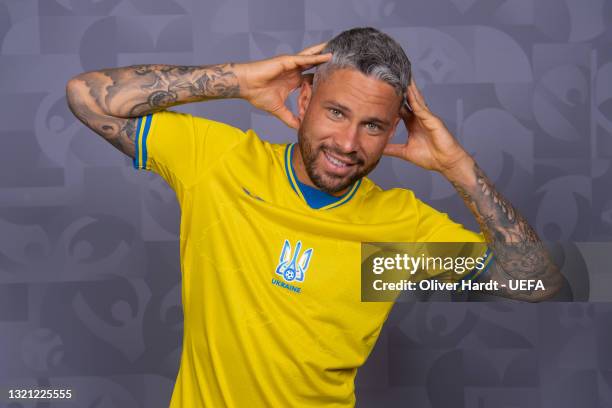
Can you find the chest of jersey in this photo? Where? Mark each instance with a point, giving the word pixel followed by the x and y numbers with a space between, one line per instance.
pixel 276 269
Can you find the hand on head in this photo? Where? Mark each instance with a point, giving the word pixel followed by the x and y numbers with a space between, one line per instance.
pixel 266 84
pixel 430 144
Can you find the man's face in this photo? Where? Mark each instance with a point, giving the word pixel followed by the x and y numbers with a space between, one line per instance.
pixel 345 124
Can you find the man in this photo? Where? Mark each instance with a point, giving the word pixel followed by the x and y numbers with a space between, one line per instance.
pixel 270 234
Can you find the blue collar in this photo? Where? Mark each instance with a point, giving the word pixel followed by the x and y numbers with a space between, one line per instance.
pixel 314 197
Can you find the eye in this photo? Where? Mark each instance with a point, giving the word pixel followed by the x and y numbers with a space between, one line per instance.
pixel 372 126
pixel 335 112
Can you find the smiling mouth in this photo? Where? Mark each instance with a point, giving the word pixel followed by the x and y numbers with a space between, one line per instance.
pixel 336 161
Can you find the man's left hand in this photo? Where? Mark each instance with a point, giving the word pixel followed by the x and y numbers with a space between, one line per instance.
pixel 430 145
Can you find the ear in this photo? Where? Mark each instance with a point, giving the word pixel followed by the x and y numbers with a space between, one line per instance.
pixel 397 120
pixel 304 98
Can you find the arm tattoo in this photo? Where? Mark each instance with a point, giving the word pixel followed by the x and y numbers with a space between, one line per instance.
pixel 141 89
pixel 518 251
pixel 119 132
pixel 110 101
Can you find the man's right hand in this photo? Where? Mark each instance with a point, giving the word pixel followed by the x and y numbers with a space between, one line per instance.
pixel 109 101
pixel 266 84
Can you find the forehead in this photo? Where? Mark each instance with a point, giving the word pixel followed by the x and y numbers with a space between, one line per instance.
pixel 359 92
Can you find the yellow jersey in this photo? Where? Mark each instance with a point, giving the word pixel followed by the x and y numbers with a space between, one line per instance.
pixel 271 281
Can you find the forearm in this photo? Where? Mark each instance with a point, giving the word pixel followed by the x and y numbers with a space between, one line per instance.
pixel 518 251
pixel 137 90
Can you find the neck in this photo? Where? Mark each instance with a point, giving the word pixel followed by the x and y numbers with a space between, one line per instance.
pixel 302 174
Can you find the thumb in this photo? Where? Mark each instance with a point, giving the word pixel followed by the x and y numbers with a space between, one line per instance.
pixel 394 149
pixel 286 116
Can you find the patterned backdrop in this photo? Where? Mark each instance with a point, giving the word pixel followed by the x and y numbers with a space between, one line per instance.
pixel 89 268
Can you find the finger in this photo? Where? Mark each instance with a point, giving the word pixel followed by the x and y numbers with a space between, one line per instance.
pixel 394 149
pixel 287 117
pixel 418 108
pixel 315 49
pixel 310 61
pixel 406 111
pixel 417 92
pixel 412 82
pixel 306 67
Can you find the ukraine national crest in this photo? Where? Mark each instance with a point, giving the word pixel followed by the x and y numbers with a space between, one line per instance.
pixel 289 267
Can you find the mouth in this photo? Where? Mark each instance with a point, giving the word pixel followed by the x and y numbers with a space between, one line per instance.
pixel 337 161
pixel 337 165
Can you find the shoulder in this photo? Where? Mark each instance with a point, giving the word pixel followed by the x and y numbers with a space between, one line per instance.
pixel 399 204
pixel 199 124
pixel 392 201
pixel 222 127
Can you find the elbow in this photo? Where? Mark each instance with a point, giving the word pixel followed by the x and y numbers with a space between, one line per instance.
pixel 73 82
pixel 72 92
pixel 77 95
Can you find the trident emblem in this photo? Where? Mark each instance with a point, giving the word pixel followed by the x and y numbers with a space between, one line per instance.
pixel 289 266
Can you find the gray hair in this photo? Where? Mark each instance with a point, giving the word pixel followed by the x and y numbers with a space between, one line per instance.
pixel 370 51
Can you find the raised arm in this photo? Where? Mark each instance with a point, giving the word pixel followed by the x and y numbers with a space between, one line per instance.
pixel 518 252
pixel 109 101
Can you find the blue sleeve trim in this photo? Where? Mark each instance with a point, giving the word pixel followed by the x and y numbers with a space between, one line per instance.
pixel 140 160
pixel 145 134
pixel 136 161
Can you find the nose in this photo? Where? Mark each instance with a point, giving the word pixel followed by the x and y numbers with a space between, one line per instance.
pixel 347 140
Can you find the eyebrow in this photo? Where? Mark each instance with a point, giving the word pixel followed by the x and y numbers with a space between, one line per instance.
pixel 372 119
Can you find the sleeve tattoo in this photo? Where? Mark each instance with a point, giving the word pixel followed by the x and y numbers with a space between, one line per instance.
pixel 110 101
pixel 518 251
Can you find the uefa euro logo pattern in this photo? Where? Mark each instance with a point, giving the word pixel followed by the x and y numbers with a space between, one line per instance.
pixel 289 266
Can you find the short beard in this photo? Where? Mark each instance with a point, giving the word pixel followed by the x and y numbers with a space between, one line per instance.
pixel 309 157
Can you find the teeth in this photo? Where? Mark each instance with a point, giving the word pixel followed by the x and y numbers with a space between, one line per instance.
pixel 335 161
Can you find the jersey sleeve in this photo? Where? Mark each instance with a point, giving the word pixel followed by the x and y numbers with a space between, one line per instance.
pixel 436 226
pixel 181 147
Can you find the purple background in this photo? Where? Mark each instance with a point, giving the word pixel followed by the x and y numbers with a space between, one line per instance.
pixel 89 278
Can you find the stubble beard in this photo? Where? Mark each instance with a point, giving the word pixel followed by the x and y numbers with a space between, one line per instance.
pixel 326 182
